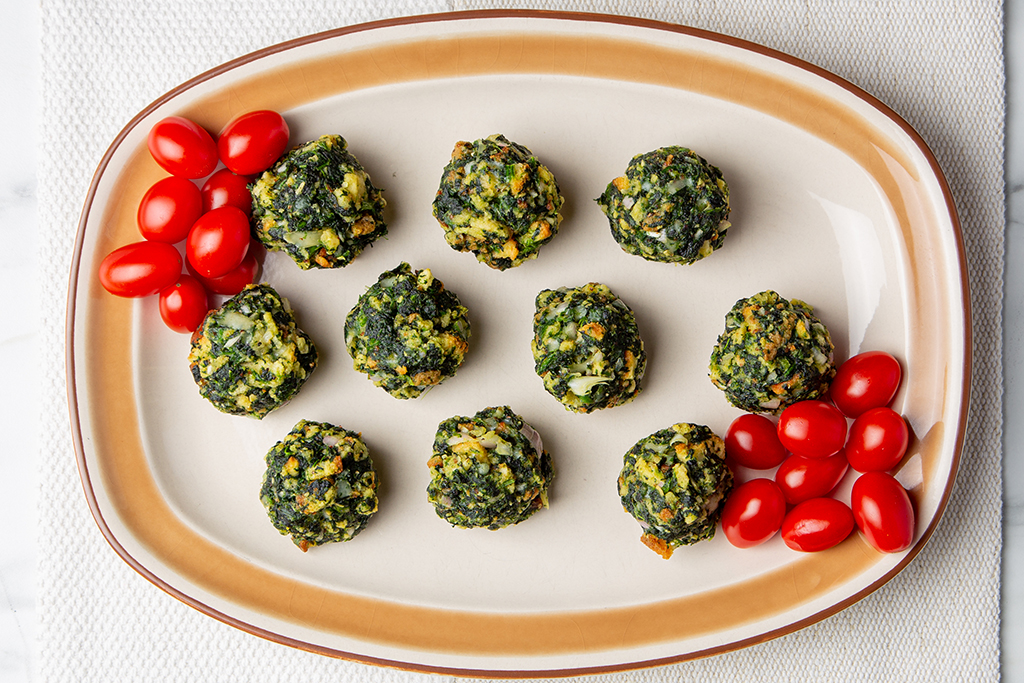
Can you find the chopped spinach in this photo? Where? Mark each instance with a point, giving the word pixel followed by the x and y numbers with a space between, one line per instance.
pixel 587 347
pixel 489 470
pixel 249 357
pixel 674 483
pixel 671 205
pixel 772 354
pixel 320 485
pixel 496 200
pixel 317 204
pixel 407 333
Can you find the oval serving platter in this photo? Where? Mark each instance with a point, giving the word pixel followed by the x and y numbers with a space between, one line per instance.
pixel 836 201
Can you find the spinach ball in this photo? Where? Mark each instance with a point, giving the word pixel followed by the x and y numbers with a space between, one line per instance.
pixel 772 354
pixel 489 470
pixel 407 333
pixel 587 347
pixel 317 204
pixel 319 486
pixel 674 483
pixel 249 357
pixel 497 201
pixel 671 205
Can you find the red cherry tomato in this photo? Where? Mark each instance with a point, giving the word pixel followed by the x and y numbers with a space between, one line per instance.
pixel 183 148
pixel 753 441
pixel 814 429
pixel 817 524
pixel 234 281
pixel 184 304
pixel 868 380
pixel 140 269
pixel 753 512
pixel 250 143
pixel 878 440
pixel 218 242
pixel 883 511
pixel 802 478
pixel 225 188
pixel 168 210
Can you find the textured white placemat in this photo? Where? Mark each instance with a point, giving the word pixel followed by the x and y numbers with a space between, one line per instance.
pixel 938 64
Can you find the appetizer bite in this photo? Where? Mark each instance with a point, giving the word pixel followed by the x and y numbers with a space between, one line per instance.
pixel 249 357
pixel 489 470
pixel 317 204
pixel 498 202
pixel 674 483
pixel 671 205
pixel 772 354
pixel 587 347
pixel 319 486
pixel 407 333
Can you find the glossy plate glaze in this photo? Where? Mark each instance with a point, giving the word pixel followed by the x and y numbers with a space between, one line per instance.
pixel 836 201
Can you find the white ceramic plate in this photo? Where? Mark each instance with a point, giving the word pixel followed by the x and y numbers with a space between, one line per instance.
pixel 836 201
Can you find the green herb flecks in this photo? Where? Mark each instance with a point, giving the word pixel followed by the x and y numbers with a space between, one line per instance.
pixel 496 200
pixel 249 357
pixel 319 486
pixel 772 354
pixel 674 483
pixel 489 470
pixel 317 204
pixel 671 205
pixel 587 347
pixel 407 333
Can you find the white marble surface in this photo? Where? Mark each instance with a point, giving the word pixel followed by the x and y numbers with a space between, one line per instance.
pixel 1013 361
pixel 20 336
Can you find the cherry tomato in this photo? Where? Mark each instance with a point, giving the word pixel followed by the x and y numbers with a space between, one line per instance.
pixel 182 147
pixel 184 304
pixel 817 524
pixel 218 242
pixel 753 512
pixel 814 429
pixel 140 269
pixel 800 478
pixel 878 440
pixel 883 511
pixel 168 210
pixel 234 281
pixel 250 143
pixel 868 380
pixel 225 188
pixel 753 441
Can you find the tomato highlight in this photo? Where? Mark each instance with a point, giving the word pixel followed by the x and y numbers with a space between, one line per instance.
pixel 878 440
pixel 883 512
pixel 814 429
pixel 225 188
pixel 250 143
pixel 168 210
pixel 817 524
pixel 140 269
pixel 801 478
pixel 218 241
pixel 184 304
pixel 867 380
pixel 182 147
pixel 753 513
pixel 753 441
